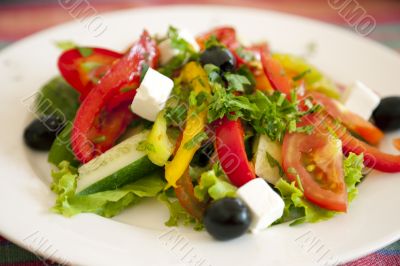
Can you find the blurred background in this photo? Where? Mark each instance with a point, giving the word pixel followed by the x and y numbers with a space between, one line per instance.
pixel 20 18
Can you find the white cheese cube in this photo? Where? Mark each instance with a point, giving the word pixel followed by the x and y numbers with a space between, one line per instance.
pixel 265 205
pixel 167 52
pixel 262 165
pixel 361 100
pixel 152 95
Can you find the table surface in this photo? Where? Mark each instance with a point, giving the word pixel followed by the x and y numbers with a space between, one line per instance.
pixel 19 18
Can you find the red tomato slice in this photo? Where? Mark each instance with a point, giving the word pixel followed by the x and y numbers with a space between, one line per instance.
pixel 276 74
pixel 123 73
pixel 317 161
pixel 81 72
pixel 352 121
pixel 232 153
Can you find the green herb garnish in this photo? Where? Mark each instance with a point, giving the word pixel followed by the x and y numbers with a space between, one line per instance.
pixel 196 140
pixel 85 51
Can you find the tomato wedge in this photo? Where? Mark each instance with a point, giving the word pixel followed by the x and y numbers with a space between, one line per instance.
pixel 352 121
pixel 93 112
pixel 81 71
pixel 231 151
pixel 316 161
pixel 276 74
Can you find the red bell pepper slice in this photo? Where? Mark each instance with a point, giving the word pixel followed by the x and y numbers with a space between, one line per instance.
pixel 352 121
pixel 225 35
pixel 231 151
pixel 92 114
pixel 373 157
pixel 81 71
pixel 276 74
pixel 184 191
pixel 185 195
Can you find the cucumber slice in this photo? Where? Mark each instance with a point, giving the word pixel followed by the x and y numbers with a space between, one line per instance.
pixel 263 167
pixel 119 166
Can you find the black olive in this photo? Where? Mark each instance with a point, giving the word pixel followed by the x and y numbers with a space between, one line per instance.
pixel 387 115
pixel 220 57
pixel 203 155
pixel 227 218
pixel 40 133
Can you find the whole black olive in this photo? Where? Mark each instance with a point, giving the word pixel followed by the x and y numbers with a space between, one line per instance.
pixel 40 133
pixel 220 57
pixel 387 115
pixel 227 218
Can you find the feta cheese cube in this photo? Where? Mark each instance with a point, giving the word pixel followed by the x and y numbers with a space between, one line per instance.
pixel 262 165
pixel 152 95
pixel 265 205
pixel 167 52
pixel 361 100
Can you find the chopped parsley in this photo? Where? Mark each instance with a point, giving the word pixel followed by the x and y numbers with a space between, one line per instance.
pixel 65 45
pixel 145 146
pixel 274 163
pixel 233 106
pixel 301 75
pixel 175 115
pixel 85 51
pixel 145 67
pixel 196 140
pixel 100 139
pixel 245 54
pixel 185 52
pixel 277 115
pixel 212 41
pixel 90 66
pixel 236 82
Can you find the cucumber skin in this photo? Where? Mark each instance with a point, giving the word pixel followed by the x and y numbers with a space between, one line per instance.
pixel 130 173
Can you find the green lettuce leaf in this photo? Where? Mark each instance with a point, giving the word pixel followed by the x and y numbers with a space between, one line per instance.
pixel 212 185
pixel 177 214
pixel 57 98
pixel 353 166
pixel 299 210
pixel 61 148
pixel 107 203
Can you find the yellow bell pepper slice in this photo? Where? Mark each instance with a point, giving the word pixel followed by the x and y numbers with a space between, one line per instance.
pixel 194 75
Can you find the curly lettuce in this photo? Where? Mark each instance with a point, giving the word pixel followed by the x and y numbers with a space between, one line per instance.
pixel 177 214
pixel 212 185
pixel 107 203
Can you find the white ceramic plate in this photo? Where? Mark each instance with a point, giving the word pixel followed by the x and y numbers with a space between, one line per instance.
pixel 138 236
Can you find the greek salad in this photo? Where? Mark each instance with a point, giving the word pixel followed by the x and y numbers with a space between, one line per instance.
pixel 230 137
